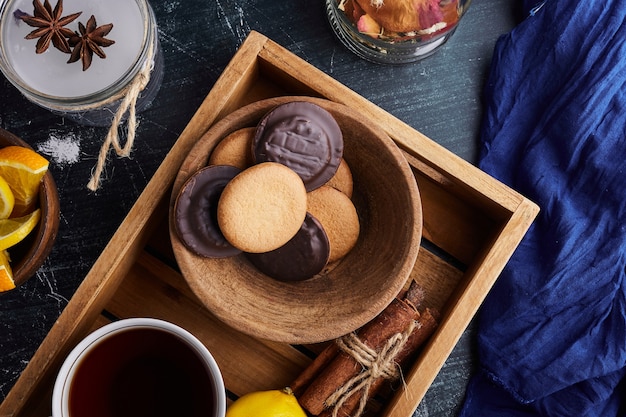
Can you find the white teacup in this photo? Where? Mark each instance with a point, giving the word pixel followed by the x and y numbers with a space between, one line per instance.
pixel 139 367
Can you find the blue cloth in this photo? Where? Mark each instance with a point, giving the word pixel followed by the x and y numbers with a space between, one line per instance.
pixel 552 332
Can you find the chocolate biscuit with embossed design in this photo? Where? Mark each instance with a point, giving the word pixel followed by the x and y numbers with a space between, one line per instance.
pixel 302 136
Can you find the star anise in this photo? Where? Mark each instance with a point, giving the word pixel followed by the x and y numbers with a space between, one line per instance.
pixel 50 26
pixel 90 40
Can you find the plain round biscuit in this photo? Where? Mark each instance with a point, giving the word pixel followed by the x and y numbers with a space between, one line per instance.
pixel 234 149
pixel 339 218
pixel 262 208
pixel 342 180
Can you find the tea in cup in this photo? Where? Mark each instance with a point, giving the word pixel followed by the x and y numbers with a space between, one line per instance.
pixel 139 367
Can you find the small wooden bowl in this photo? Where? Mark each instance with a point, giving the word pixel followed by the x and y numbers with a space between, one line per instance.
pixel 353 292
pixel 28 255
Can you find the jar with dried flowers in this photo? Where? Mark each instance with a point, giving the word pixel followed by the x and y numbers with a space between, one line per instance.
pixel 394 31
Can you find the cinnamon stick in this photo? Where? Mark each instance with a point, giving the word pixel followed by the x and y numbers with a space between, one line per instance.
pixel 426 325
pixel 314 369
pixel 393 320
pixel 415 295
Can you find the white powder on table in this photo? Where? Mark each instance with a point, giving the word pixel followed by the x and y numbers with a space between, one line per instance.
pixel 61 150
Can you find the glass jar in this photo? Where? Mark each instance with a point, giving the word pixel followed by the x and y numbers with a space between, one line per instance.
pixel 394 31
pixel 91 96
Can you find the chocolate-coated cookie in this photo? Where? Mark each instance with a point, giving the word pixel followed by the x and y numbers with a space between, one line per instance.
pixel 303 257
pixel 195 212
pixel 304 137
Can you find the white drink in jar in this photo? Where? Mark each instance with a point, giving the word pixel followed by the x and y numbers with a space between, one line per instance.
pixel 48 80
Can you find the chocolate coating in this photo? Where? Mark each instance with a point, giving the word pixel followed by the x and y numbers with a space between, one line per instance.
pixel 303 136
pixel 195 212
pixel 304 256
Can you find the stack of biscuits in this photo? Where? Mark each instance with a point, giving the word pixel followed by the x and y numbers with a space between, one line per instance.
pixel 280 193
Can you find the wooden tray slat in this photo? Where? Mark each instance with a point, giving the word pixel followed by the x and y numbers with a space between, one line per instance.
pixel 475 220
pixel 458 228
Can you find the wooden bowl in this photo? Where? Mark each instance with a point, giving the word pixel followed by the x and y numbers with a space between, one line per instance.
pixel 28 255
pixel 354 291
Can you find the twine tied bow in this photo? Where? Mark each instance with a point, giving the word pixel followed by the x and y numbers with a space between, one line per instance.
pixel 376 365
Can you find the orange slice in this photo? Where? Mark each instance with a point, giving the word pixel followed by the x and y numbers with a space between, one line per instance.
pixel 14 230
pixel 6 274
pixel 7 200
pixel 23 169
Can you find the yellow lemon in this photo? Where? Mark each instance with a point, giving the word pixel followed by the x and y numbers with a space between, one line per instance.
pixel 7 200
pixel 13 230
pixel 23 169
pixel 273 403
pixel 6 274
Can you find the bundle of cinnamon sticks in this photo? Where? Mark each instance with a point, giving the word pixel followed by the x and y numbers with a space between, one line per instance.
pixel 355 368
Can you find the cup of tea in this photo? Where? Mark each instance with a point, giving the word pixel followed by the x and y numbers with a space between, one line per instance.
pixel 139 367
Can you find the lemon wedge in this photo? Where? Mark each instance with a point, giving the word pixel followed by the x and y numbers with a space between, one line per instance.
pixel 7 200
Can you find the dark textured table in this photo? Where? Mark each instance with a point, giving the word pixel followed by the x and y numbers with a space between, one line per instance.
pixel 439 96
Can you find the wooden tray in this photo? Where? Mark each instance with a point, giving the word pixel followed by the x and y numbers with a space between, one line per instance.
pixel 472 225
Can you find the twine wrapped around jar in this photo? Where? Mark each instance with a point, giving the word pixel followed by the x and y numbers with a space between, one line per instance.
pixel 129 96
